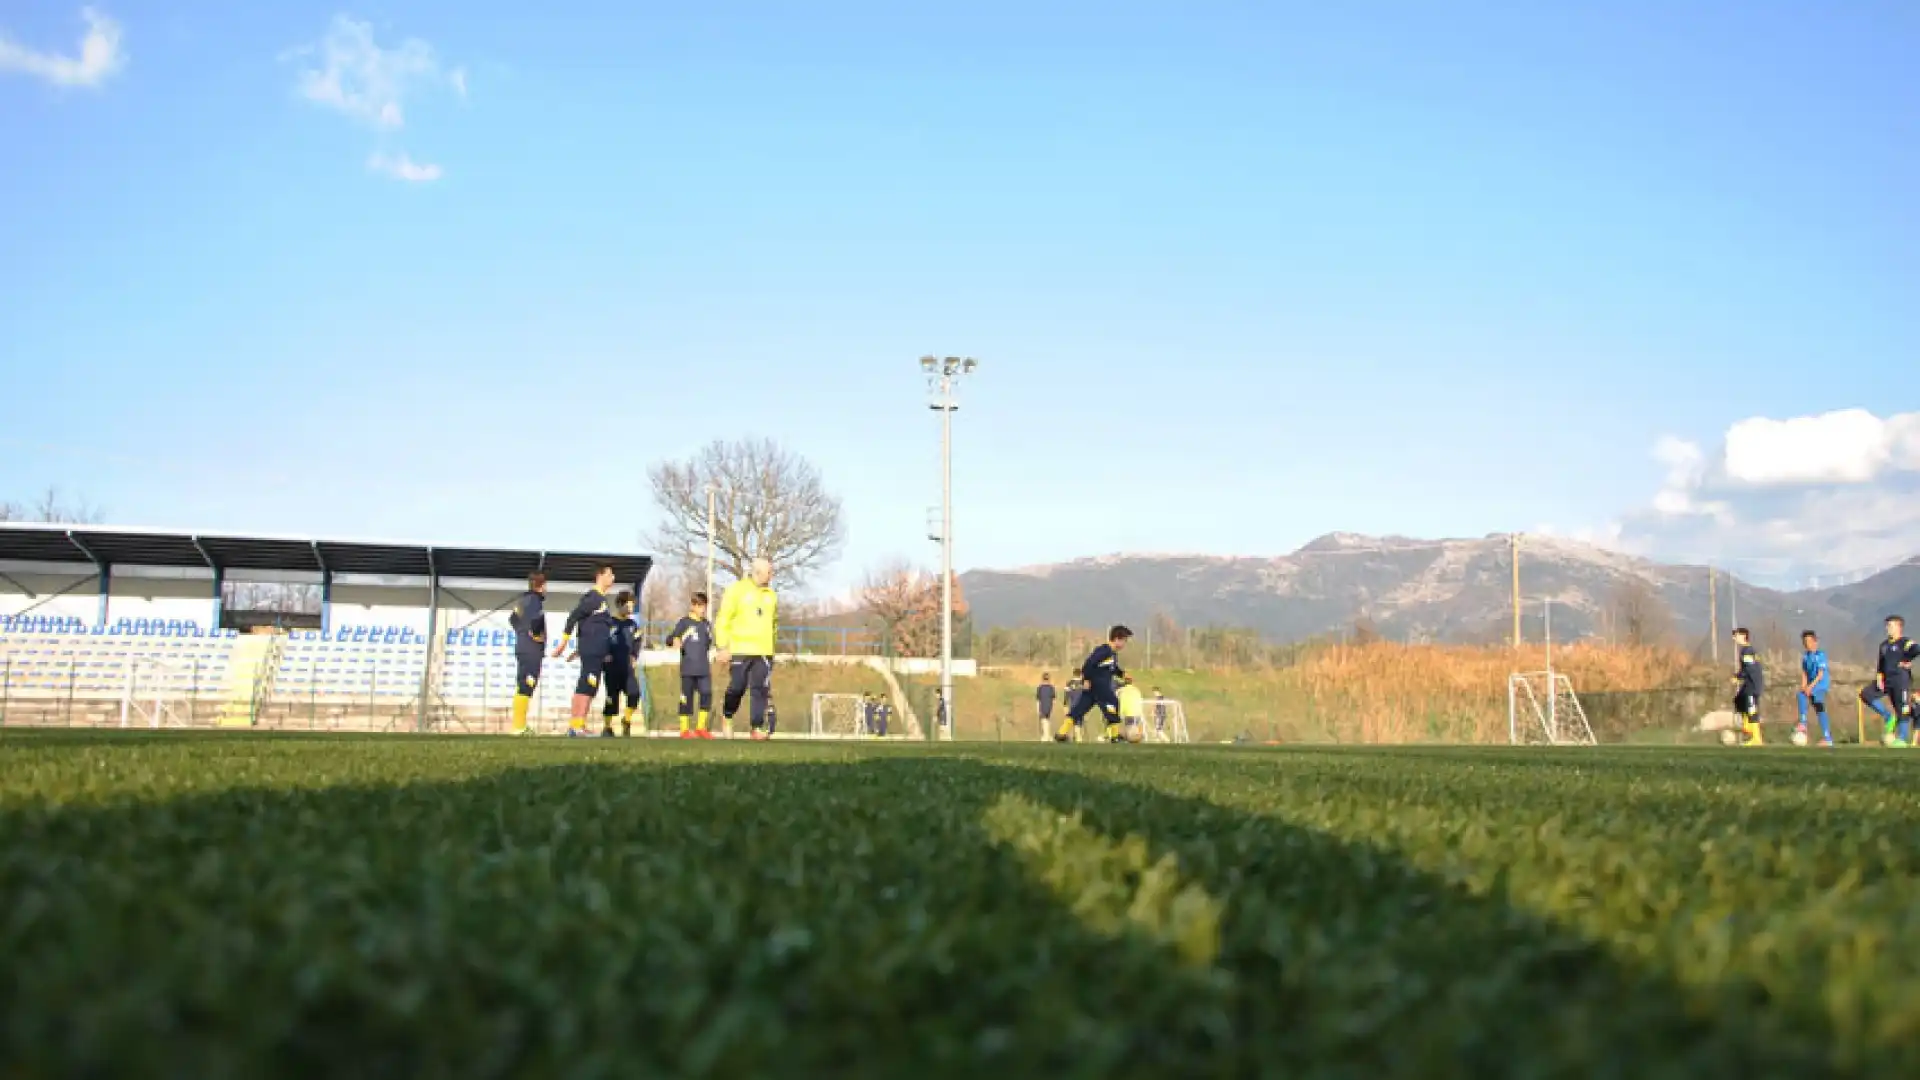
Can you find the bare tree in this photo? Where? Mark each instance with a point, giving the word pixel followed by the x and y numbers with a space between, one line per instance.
pixel 52 509
pixel 1638 615
pixel 663 599
pixel 906 604
pixel 767 502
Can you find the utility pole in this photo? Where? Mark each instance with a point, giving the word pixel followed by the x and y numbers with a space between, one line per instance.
pixel 1553 691
pixel 1513 545
pixel 1713 617
pixel 941 374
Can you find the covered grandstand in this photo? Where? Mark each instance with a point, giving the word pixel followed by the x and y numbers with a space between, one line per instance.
pixel 107 625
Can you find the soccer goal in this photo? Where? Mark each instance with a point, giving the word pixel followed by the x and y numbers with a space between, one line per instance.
pixel 838 716
pixel 1164 720
pixel 1543 710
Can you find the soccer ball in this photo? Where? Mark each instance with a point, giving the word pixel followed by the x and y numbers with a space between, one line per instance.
pixel 1729 737
pixel 1135 733
pixel 1799 738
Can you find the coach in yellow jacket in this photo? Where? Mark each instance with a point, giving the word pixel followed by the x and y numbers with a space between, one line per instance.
pixel 744 634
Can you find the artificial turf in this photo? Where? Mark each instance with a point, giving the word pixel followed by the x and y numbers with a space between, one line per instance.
pixel 234 905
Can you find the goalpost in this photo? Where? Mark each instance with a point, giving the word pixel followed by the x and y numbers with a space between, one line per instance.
pixel 1543 710
pixel 839 716
pixel 1164 720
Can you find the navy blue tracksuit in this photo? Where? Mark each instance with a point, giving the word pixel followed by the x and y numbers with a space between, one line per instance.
pixel 1101 674
pixel 622 667
pixel 590 624
pixel 529 621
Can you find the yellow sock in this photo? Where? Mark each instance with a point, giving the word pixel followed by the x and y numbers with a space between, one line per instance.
pixel 1753 730
pixel 1066 727
pixel 685 721
pixel 626 715
pixel 703 719
pixel 520 703
pixel 1113 731
pixel 578 723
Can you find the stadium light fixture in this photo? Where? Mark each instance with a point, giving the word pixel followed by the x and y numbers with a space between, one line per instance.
pixel 941 373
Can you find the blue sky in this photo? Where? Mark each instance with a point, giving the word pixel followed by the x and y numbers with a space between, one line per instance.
pixel 1239 274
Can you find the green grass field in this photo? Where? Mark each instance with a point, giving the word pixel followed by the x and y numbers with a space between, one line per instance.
pixel 223 905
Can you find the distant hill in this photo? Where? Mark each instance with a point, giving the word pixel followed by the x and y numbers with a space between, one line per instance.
pixel 1421 590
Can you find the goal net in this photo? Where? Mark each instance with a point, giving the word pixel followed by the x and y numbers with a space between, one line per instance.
pixel 842 716
pixel 1163 720
pixel 1543 710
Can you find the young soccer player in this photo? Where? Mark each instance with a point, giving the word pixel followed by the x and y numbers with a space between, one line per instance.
pixel 1891 692
pixel 1043 697
pixel 693 636
pixel 529 621
pixel 623 667
pixel 1748 683
pixel 1101 674
pixel 593 626
pixel 1815 681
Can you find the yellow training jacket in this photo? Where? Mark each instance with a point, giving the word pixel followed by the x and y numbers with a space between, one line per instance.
pixel 748 618
pixel 1130 702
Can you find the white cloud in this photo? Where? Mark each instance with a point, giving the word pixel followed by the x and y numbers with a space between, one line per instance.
pixel 351 73
pixel 402 167
pixel 1783 501
pixel 100 55
pixel 1852 446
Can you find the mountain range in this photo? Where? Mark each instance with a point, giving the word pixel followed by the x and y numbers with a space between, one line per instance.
pixel 1456 591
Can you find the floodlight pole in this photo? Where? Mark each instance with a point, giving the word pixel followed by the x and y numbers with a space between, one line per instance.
pixel 941 374
pixel 714 488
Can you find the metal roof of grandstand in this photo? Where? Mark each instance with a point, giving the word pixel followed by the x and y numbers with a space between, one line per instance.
pixel 116 546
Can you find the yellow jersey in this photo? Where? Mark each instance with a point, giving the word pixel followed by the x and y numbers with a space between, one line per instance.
pixel 749 619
